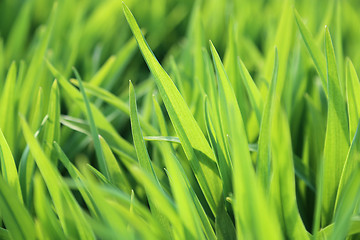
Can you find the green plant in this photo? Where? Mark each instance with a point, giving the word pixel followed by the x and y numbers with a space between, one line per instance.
pixel 264 144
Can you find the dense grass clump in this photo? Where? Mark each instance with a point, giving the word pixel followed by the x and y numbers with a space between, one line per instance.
pixel 252 135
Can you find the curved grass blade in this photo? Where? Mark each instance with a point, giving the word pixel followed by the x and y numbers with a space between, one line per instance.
pixel 284 169
pixel 116 102
pixel 8 167
pixel 264 156
pixel 7 119
pixel 352 97
pixel 116 174
pixel 75 96
pixel 337 135
pixel 185 197
pixel 94 132
pixel 352 160
pixel 193 140
pixel 15 216
pixel 143 156
pixel 252 91
pixel 52 127
pixel 348 200
pixel 315 53
pixel 226 96
pixel 45 215
pixel 69 212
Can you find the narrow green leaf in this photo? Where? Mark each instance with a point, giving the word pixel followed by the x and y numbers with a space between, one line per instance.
pixel 252 91
pixel 162 139
pixel 284 169
pixel 44 212
pixel 143 156
pixel 116 102
pixel 263 161
pixel 315 52
pixel 337 135
pixel 52 127
pixel 226 96
pixel 64 202
pixel 8 167
pixel 352 160
pixel 94 132
pixel 116 174
pixel 353 97
pixel 15 216
pixel 193 140
pixel 8 121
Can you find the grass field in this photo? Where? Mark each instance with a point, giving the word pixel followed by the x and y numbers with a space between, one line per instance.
pixel 167 119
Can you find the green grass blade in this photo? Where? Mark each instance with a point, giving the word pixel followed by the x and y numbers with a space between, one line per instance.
pixel 116 102
pixel 251 210
pixel 44 212
pixel 52 127
pixel 226 96
pixel 30 84
pixel 252 91
pixel 8 121
pixel 184 195
pixel 352 160
pixel 61 196
pixel 102 123
pixel 116 174
pixel 143 155
pixel 348 200
pixel 263 161
pixel 315 52
pixel 193 141
pixel 337 135
pixel 8 167
pixel 139 143
pixel 353 97
pixel 15 216
pixel 94 132
pixel 284 168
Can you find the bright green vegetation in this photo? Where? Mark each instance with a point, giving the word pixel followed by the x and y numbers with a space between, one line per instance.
pixel 254 134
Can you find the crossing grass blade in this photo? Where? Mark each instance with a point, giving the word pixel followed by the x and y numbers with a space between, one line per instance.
pixel 252 90
pixel 144 159
pixel 102 123
pixel 52 127
pixel 94 132
pixel 337 134
pixel 350 165
pixel 193 141
pixel 263 161
pixel 7 121
pixel 352 97
pixel 8 167
pixel 226 96
pixel 116 102
pixel 61 196
pixel 192 213
pixel 284 168
pixel 16 218
pixel 315 53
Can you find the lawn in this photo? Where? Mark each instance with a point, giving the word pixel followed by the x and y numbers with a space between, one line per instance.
pixel 167 119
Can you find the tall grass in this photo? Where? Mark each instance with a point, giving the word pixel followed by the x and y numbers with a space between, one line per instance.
pixel 254 134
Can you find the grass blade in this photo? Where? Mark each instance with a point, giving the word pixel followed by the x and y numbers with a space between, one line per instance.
pixel 337 135
pixel 193 141
pixel 353 97
pixel 315 53
pixel 15 216
pixel 264 157
pixel 94 132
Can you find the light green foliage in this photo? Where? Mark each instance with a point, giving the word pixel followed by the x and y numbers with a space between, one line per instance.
pixel 241 119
